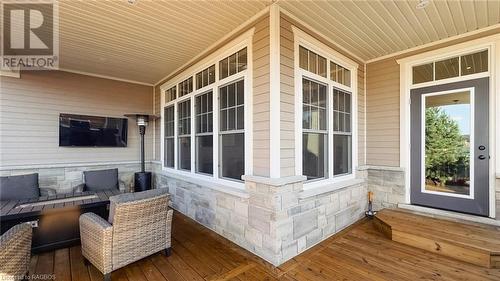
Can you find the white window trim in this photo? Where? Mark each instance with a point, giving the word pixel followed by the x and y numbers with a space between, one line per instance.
pixel 492 43
pixel 244 40
pixel 303 39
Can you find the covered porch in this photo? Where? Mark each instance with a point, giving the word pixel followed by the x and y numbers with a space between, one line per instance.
pixel 295 140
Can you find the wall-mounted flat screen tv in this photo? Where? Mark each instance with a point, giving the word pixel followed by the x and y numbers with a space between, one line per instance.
pixel 92 131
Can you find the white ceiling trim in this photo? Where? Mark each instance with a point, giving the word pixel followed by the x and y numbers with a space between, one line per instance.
pixel 104 77
pixel 463 35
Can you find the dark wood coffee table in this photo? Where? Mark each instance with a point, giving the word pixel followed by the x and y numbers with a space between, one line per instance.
pixel 56 216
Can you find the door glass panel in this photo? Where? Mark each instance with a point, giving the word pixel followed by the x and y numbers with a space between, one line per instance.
pixel 447 143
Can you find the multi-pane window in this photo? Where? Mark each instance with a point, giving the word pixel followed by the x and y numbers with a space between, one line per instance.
pixel 232 134
pixel 451 67
pixel 169 136
pixel 184 134
pixel 342 132
pixel 314 130
pixel 312 62
pixel 170 94
pixel 205 77
pixel 340 74
pixel 204 133
pixel 233 64
pixel 186 87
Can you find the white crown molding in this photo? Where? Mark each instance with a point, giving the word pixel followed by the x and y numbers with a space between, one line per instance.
pixel 104 77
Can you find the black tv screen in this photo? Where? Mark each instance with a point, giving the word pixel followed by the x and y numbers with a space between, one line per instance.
pixel 92 131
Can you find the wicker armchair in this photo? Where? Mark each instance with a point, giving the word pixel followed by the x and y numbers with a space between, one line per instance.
pixel 139 225
pixel 15 252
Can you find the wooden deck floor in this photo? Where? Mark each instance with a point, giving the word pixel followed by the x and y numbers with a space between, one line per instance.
pixel 358 253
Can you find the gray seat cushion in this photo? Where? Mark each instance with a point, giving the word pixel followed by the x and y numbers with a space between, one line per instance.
pixel 19 187
pixel 101 180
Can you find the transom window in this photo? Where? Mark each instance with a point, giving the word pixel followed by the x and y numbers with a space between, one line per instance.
pixel 451 67
pixel 186 87
pixel 326 117
pixel 233 64
pixel 205 77
pixel 312 62
pixel 171 94
pixel 207 135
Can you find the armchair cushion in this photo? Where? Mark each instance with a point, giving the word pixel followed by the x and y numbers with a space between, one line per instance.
pixel 101 180
pixel 19 187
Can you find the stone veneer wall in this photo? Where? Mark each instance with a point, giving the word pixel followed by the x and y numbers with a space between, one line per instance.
pixel 497 197
pixel 63 179
pixel 270 218
pixel 387 185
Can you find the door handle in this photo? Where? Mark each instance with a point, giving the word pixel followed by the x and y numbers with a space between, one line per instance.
pixel 482 157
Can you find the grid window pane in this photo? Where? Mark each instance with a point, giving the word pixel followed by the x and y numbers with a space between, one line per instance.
pixel 303 58
pixel 474 63
pixel 242 60
pixel 204 113
pixel 205 77
pixel 340 74
pixel 186 87
pixel 230 112
pixel 314 156
pixel 233 64
pixel 170 94
pixel 342 154
pixel 313 105
pixel 341 111
pixel 447 68
pixel 232 155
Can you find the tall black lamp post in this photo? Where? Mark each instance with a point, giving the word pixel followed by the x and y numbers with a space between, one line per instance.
pixel 142 179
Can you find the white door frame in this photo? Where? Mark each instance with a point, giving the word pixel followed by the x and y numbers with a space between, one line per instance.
pixel 492 43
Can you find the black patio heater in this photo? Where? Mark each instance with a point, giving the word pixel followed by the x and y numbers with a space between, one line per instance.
pixel 142 179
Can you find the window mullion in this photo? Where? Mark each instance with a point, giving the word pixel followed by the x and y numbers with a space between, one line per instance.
pixel 330 129
pixel 176 133
pixel 192 136
pixel 215 124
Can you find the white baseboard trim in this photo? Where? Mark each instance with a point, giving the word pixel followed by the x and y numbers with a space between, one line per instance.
pixel 450 215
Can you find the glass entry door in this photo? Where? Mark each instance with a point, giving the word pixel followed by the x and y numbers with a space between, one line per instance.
pixel 449 147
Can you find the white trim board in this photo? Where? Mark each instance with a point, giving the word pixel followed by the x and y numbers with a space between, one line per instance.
pixel 102 76
pixel 406 64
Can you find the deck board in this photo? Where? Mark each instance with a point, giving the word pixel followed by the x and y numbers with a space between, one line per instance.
pixel 357 253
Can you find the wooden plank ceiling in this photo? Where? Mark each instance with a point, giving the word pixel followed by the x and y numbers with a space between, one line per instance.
pixel 148 40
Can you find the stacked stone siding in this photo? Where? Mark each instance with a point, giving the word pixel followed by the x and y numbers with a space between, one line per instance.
pixel 63 179
pixel 387 185
pixel 270 219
